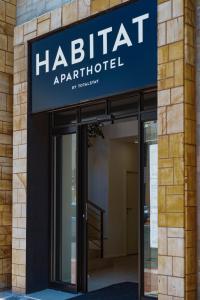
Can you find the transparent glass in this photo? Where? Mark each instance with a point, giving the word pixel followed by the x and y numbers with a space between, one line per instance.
pixel 65 203
pixel 150 209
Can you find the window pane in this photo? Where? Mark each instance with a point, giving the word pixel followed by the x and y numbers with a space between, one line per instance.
pixel 150 209
pixel 65 210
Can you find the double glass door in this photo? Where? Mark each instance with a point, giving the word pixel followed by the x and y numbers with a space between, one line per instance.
pixel 69 215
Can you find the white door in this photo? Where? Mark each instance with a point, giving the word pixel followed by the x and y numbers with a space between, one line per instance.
pixel 132 212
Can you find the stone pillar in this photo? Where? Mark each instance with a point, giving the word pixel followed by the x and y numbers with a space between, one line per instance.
pixel 177 147
pixel 7 22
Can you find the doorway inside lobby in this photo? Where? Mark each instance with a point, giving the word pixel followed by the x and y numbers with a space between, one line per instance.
pixel 104 198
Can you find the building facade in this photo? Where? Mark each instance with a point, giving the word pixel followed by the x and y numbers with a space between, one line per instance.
pixel 178 131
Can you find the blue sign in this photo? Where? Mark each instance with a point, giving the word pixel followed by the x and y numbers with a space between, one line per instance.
pixel 109 54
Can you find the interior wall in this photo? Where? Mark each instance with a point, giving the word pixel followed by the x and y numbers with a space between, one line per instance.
pixel 108 161
pixel 123 157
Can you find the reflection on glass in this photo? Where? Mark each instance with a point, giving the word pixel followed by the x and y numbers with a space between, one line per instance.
pixel 65 210
pixel 151 209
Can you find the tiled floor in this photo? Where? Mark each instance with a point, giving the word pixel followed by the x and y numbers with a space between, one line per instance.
pixel 125 269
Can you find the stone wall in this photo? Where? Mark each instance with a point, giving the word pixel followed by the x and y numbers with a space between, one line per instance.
pixel 28 10
pixel 177 151
pixel 7 23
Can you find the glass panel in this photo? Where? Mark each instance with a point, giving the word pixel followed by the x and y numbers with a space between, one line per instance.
pixel 150 209
pixel 65 256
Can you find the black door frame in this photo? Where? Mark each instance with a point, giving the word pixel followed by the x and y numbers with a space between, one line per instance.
pixel 82 247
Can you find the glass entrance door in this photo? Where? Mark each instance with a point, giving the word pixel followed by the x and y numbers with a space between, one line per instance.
pixel 64 239
pixel 149 211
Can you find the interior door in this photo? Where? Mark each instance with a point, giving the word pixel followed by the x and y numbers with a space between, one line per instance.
pixel 132 212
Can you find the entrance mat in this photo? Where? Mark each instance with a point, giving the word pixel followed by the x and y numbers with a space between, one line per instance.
pixel 121 291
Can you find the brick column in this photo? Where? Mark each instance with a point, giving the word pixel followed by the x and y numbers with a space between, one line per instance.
pixel 177 158
pixel 7 22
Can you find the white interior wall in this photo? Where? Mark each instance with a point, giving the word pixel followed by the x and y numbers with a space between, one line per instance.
pixel 108 161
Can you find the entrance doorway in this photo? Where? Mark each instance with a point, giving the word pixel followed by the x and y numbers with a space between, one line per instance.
pixel 104 195
pixel 112 208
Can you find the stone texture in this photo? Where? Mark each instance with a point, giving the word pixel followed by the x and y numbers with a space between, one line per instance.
pixel 7 18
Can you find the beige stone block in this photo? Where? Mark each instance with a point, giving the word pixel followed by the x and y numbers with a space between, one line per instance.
pixel 176 145
pixel 176 247
pixel 175 118
pixel 175 203
pixel 164 97
pixel 162 121
pixel 166 163
pixel 163 146
pixel 2 60
pixel 176 286
pixel 162 241
pixel 178 72
pixel 99 5
pixel 164 11
pixel 18 35
pixel 19 166
pixel 11 10
pixel 178 171
pixel 17 210
pixel 43 27
pixel 30 26
pixel 84 8
pixel 189 35
pixel 21 282
pixel 175 220
pixel 2 10
pixel 166 176
pixel 177 6
pixel 56 21
pixel 33 34
pixel 178 267
pixel 10 44
pixel 19 233
pixel 163 54
pixel 23 151
pixel 161 34
pixel 3 42
pixel 165 265
pixel 162 199
pixel 43 17
pixel 175 30
pixel 17 137
pixel 70 13
pixel 166 71
pixel 176 232
pixel 9 59
pixel 162 284
pixel 177 95
pixel 176 51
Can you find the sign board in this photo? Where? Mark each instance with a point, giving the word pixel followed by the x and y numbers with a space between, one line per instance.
pixel 107 54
